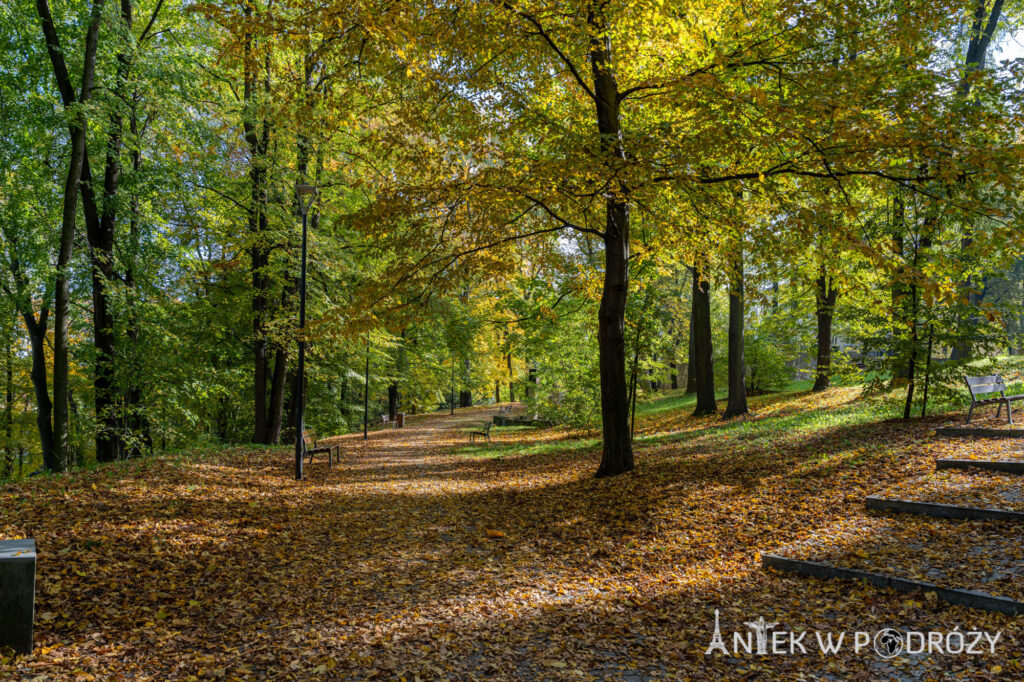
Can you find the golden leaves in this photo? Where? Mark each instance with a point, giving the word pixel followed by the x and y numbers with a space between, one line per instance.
pixel 420 557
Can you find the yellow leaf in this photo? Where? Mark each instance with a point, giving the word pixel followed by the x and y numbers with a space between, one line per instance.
pixel 495 533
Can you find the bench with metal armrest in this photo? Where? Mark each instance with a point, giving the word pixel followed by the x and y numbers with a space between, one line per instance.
pixel 484 432
pixel 312 447
pixel 979 386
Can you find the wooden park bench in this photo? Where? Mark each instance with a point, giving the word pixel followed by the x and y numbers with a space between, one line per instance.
pixel 484 431
pixel 386 422
pixel 312 447
pixel 990 384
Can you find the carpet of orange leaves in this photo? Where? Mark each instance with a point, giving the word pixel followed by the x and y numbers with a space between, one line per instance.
pixel 222 567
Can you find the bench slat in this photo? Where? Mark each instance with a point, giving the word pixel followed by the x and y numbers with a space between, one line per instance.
pixel 986 384
pixel 990 384
pixel 990 379
pixel 990 388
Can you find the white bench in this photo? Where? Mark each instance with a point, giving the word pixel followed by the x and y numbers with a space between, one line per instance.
pixel 990 384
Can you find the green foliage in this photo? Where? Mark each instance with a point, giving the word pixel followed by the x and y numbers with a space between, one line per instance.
pixel 766 366
pixel 464 190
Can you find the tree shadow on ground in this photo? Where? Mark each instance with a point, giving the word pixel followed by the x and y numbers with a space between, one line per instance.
pixel 182 568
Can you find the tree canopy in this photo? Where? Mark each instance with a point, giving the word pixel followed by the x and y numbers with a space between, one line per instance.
pixel 564 203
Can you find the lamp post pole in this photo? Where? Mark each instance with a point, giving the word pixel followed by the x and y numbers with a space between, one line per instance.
pixel 366 389
pixel 306 195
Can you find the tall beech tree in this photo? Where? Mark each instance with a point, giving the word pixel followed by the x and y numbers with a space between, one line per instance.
pixel 114 401
pixel 595 141
pixel 825 294
pixel 737 401
pixel 568 120
pixel 703 352
pixel 74 101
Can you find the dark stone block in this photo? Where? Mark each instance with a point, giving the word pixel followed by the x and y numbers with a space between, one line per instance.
pixel 17 593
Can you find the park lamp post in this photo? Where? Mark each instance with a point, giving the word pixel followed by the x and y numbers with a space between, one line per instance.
pixel 306 195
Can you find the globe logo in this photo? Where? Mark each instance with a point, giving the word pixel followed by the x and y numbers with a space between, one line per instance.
pixel 888 643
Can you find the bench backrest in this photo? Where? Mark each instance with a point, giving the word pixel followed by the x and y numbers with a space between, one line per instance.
pixel 309 437
pixel 384 419
pixel 987 384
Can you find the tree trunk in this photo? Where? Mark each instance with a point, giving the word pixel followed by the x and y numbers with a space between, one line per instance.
pixel 392 400
pixel 101 223
pixel 275 417
pixel 77 126
pixel 737 404
pixel 912 358
pixel 825 305
pixel 44 408
pixel 511 379
pixel 703 359
pixel 691 376
pixel 921 249
pixel 257 138
pixel 466 395
pixel 928 368
pixel 983 26
pixel 366 392
pixel 137 421
pixel 675 375
pixel 279 377
pixel 9 337
pixel 898 289
pixel 617 454
pixel 62 296
pixel 100 233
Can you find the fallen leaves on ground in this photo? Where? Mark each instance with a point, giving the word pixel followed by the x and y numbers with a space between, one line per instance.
pixel 221 566
pixel 979 489
pixel 973 555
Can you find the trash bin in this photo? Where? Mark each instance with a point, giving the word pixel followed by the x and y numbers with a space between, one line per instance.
pixel 17 593
pixel 399 419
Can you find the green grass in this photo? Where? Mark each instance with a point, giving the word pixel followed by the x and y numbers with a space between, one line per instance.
pixel 493 450
pixel 677 400
pixel 716 433
pixel 778 428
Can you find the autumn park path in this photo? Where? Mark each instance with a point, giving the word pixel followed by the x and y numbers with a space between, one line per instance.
pixel 217 565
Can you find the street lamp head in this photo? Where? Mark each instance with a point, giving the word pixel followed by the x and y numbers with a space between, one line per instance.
pixel 306 194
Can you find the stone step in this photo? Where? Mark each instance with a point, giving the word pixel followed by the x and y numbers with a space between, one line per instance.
pixel 1004 466
pixel 967 432
pixel 969 598
pixel 941 511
